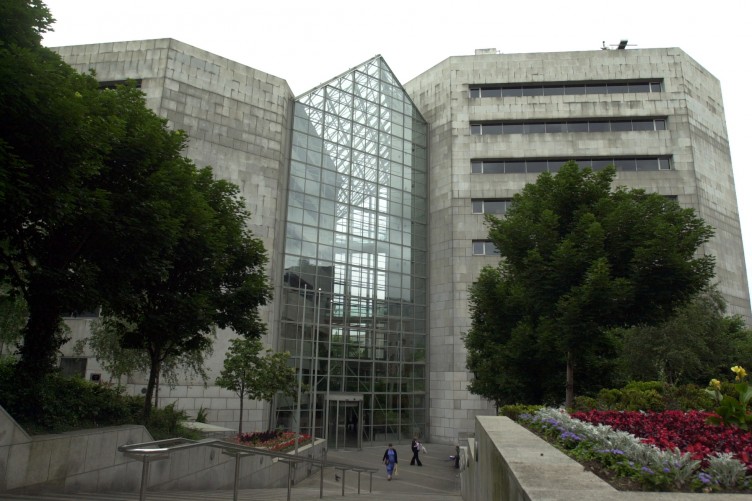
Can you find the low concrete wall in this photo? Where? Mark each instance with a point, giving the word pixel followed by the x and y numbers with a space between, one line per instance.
pixel 507 462
pixel 88 461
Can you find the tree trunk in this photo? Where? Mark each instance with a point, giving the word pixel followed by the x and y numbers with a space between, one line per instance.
pixel 240 421
pixel 153 372
pixel 42 336
pixel 570 381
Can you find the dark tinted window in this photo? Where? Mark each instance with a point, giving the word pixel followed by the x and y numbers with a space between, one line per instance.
pixel 554 90
pixel 493 167
pixel 573 90
pixel 512 91
pixel 513 129
pixel 492 129
pixel 660 124
pixel 621 126
pixel 537 166
pixel 643 125
pixel 495 206
pixel 532 91
pixel 600 127
pixel 644 164
pixel 553 127
pixel 490 92
pixel 577 127
pixel 627 164
pixel 475 129
pixel 639 87
pixel 477 206
pixel 477 167
pixel 534 128
pixel 618 88
pixel 514 167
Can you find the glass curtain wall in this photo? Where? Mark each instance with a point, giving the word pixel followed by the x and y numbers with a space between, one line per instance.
pixel 354 293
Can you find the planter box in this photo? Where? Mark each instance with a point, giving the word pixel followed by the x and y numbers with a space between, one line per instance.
pixel 505 461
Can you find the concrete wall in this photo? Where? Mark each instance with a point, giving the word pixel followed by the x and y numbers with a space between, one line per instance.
pixel 507 462
pixel 88 461
pixel 701 176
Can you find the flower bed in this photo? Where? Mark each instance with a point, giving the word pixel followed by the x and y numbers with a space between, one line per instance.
pixel 279 441
pixel 687 431
pixel 697 467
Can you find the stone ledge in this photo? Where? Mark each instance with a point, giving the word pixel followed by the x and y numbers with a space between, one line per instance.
pixel 506 461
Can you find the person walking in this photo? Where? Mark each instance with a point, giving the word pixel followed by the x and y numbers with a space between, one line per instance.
pixel 415 446
pixel 390 460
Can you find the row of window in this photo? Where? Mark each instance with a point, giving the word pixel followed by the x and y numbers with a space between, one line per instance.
pixel 535 89
pixel 523 166
pixel 556 126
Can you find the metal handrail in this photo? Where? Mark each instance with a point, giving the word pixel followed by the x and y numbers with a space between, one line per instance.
pixel 162 449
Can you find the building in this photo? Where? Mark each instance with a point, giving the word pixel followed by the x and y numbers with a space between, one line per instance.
pixel 369 197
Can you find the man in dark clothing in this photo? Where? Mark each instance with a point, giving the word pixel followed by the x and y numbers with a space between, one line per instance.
pixel 415 446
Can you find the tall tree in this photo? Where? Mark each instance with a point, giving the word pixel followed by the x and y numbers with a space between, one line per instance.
pixel 257 377
pixel 578 258
pixel 211 276
pixel 85 179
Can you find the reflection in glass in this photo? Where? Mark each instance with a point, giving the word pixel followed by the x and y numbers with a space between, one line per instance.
pixel 355 255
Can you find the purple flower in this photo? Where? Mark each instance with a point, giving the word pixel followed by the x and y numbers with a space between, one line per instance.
pixel 705 478
pixel 647 470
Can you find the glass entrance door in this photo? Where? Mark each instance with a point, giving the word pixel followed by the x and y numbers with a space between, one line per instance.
pixel 345 422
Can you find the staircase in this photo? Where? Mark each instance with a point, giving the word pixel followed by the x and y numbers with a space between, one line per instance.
pixel 436 480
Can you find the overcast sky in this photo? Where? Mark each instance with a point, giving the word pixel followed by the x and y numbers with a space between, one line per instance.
pixel 308 43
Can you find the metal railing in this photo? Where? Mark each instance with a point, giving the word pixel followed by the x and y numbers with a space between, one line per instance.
pixel 158 450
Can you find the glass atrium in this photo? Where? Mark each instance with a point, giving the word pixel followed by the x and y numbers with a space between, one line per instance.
pixel 353 304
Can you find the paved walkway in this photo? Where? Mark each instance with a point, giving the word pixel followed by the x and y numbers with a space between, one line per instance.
pixel 436 480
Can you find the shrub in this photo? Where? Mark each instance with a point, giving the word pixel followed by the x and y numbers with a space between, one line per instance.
pixel 57 403
pixel 513 411
pixel 167 423
pixel 646 396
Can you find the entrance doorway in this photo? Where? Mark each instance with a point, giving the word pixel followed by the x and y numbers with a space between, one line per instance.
pixel 344 421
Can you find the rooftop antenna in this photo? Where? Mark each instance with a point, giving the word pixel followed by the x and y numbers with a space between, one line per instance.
pixel 623 44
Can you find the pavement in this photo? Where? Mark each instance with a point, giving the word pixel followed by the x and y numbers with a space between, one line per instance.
pixel 436 479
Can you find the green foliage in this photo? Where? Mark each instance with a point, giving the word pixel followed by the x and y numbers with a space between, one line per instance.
pixel 513 411
pixel 732 410
pixel 23 22
pixel 251 375
pixel 67 403
pixel 692 346
pixel 577 260
pixel 646 396
pixel 202 414
pixel 13 314
pixel 166 422
pixel 104 342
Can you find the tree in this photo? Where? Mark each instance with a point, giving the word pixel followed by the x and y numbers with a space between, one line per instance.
pixel 104 342
pixel 578 259
pixel 693 346
pixel 13 313
pixel 257 377
pixel 86 179
pixel 212 275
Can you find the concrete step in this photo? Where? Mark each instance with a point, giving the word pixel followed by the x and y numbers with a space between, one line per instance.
pixel 297 494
